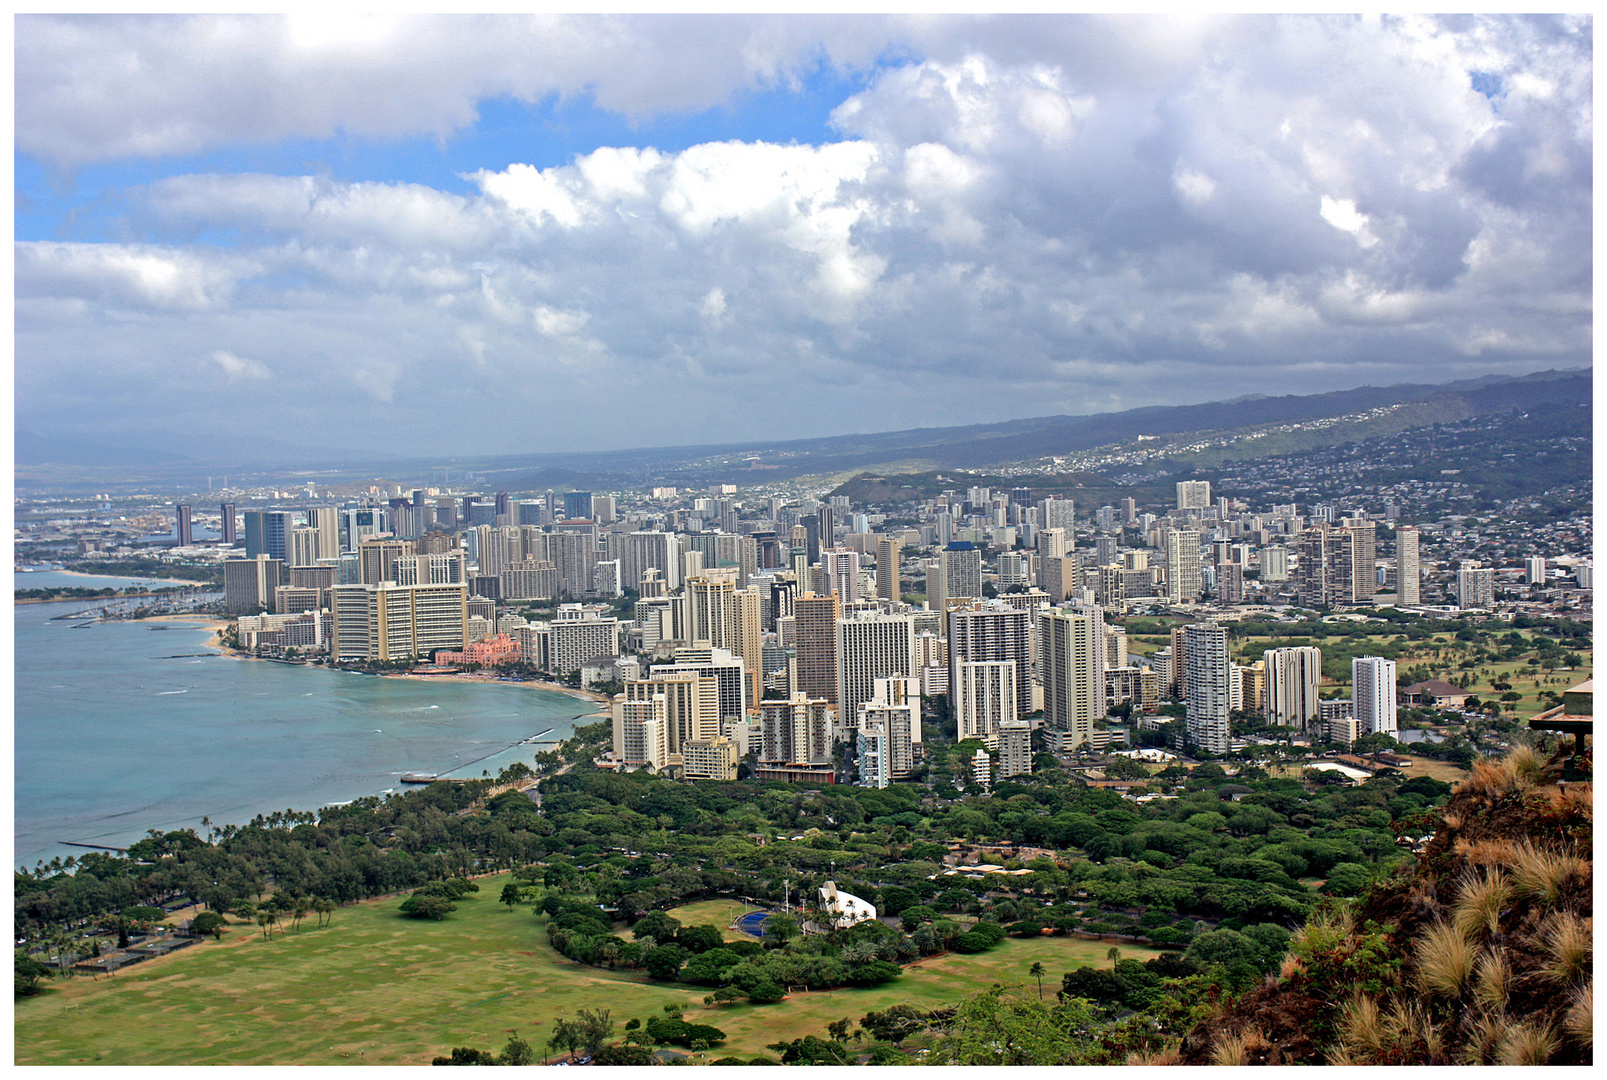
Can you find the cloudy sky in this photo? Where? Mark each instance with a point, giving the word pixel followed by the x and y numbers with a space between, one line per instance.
pixel 491 235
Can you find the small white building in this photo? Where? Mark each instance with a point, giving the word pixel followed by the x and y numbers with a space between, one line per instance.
pixel 844 909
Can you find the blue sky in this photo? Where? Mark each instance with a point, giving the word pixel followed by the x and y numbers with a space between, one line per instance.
pixel 88 204
pixel 421 234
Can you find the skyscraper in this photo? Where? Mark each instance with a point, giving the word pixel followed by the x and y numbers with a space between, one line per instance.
pixel 268 533
pixel 231 529
pixel 872 646
pixel 840 567
pixel 815 623
pixel 577 506
pixel 1183 563
pixel 1193 494
pixel 184 530
pixel 1073 664
pixel 985 698
pixel 993 630
pixel 1293 676
pixel 1408 577
pixel 1372 680
pixel 961 567
pixel 887 568
pixel 1207 676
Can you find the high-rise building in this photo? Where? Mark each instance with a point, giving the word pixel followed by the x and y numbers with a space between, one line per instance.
pixel 815 629
pixel 1073 665
pixel 1208 691
pixel 873 748
pixel 1372 680
pixel 268 533
pixel 184 529
pixel 249 584
pixel 1293 676
pixel 960 564
pixel 1336 565
pixel 641 729
pixel 377 558
pixel 1059 514
pixel 985 699
pixel 871 647
pixel 887 551
pixel 1475 587
pixel 577 506
pixel 1015 749
pixel 993 630
pixel 1183 562
pixel 303 546
pixel 895 709
pixel 1230 583
pixel 796 731
pixel 1193 494
pixel 326 519
pixel 1534 570
pixel 840 567
pixel 691 705
pixel 1275 564
pixel 387 621
pixel 231 526
pixel 640 551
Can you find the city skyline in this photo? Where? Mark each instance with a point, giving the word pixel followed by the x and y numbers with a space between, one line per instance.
pixel 710 229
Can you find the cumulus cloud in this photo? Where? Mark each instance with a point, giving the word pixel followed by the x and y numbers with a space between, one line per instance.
pixel 1018 216
pixel 239 369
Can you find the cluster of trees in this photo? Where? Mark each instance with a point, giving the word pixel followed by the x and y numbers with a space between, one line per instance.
pixel 437 899
pixel 863 955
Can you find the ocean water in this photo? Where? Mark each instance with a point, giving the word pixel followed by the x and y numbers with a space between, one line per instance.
pixel 123 727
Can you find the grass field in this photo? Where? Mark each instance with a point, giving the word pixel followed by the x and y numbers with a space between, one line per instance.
pixel 936 981
pixel 376 989
pixel 721 913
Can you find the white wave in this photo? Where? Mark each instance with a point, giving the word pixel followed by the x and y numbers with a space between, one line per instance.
pixel 164 693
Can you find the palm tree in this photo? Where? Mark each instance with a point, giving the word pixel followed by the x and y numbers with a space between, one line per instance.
pixel 1113 954
pixel 1037 972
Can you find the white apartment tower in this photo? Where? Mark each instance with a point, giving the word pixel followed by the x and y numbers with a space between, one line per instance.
pixel 985 699
pixel 1183 562
pixel 1293 676
pixel 1408 576
pixel 1206 675
pixel 1193 494
pixel 1073 666
pixel 993 630
pixel 870 647
pixel 1372 680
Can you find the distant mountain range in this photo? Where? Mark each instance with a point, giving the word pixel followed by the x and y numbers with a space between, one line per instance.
pixel 42 462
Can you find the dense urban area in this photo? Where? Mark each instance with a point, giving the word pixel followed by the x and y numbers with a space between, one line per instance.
pixel 1196 722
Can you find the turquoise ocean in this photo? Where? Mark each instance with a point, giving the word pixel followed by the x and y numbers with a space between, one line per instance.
pixel 122 727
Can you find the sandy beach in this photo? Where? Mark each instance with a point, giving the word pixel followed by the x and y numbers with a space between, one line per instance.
pixel 601 700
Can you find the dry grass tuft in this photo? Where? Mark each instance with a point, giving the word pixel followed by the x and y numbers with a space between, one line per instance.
pixel 1168 1056
pixel 1405 1022
pixel 1236 1049
pixel 1494 982
pixel 1580 1018
pixel 1571 799
pixel 1523 764
pixel 1547 875
pixel 1526 1044
pixel 1291 967
pixel 1486 852
pixel 1477 912
pixel 1360 1026
pixel 1488 780
pixel 1567 944
pixel 1444 960
pixel 1483 1035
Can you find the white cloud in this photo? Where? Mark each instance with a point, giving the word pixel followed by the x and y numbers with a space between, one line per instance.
pixel 239 369
pixel 1028 216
